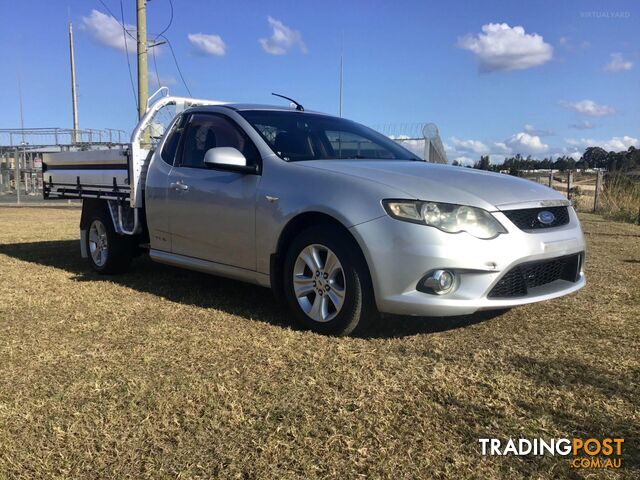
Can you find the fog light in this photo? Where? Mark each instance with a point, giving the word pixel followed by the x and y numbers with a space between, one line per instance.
pixel 438 282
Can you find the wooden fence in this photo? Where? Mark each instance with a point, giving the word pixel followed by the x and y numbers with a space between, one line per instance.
pixel 585 189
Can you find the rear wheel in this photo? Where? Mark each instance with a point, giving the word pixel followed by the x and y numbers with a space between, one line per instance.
pixel 326 282
pixel 107 251
pixel 98 243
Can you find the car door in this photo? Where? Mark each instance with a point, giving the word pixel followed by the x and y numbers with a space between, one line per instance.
pixel 212 211
pixel 157 188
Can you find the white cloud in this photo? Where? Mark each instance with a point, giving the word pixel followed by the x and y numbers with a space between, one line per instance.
pixel 468 152
pixel 415 146
pixel 209 45
pixel 471 146
pixel 455 155
pixel 540 132
pixel 527 144
pixel 500 148
pixel 615 144
pixel 282 39
pixel 618 64
pixel 589 107
pixel 501 48
pixel 521 143
pixel 107 31
pixel 566 152
pixel 569 44
pixel 583 125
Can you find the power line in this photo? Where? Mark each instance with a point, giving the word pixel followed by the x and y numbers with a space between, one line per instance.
pixel 173 54
pixel 170 21
pixel 155 64
pixel 116 18
pixel 161 34
pixel 175 60
pixel 126 49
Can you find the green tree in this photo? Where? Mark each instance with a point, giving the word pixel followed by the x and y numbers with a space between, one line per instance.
pixel 594 157
pixel 484 163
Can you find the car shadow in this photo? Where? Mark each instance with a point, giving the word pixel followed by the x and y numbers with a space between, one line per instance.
pixel 208 291
pixel 387 325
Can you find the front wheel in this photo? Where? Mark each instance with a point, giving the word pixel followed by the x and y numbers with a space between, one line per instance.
pixel 107 251
pixel 327 283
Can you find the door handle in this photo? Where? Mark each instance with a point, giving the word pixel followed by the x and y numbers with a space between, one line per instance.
pixel 178 186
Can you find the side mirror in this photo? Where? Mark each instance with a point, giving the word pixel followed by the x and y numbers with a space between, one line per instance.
pixel 228 158
pixel 224 156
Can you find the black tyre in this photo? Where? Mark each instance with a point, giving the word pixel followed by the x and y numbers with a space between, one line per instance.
pixel 326 282
pixel 107 251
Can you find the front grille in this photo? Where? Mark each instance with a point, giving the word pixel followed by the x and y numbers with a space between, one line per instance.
pixel 527 218
pixel 517 281
pixel 511 285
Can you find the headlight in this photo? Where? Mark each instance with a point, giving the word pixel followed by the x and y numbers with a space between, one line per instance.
pixel 446 217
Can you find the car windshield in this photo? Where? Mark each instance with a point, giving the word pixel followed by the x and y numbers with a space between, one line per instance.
pixel 298 136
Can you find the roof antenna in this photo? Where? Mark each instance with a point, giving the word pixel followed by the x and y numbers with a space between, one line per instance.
pixel 299 107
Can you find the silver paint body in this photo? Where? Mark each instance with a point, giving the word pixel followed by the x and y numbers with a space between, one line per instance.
pixel 114 157
pixel 229 223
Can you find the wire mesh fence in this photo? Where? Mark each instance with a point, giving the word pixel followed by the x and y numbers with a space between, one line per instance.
pixel 422 139
pixel 10 137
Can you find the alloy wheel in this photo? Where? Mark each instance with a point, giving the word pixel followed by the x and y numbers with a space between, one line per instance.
pixel 98 243
pixel 319 283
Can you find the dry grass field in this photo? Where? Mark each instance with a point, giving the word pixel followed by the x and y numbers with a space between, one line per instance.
pixel 164 373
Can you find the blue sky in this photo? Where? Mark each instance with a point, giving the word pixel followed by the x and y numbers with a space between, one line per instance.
pixel 498 77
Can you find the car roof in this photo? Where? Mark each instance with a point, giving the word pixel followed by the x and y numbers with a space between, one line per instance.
pixel 240 107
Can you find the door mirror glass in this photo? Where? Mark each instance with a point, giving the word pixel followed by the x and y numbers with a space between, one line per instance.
pixel 221 156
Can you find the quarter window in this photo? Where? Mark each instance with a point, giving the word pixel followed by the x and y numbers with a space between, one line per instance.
pixel 170 146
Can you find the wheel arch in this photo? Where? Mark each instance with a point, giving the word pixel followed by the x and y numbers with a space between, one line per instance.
pixel 296 225
pixel 90 206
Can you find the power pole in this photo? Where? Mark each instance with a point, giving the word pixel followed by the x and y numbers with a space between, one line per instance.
pixel 340 109
pixel 16 174
pixel 74 97
pixel 143 82
pixel 341 73
pixel 21 108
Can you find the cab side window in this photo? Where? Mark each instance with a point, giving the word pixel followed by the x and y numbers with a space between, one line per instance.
pixel 206 131
pixel 170 146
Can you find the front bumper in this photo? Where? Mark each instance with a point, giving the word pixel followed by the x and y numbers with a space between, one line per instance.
pixel 399 254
